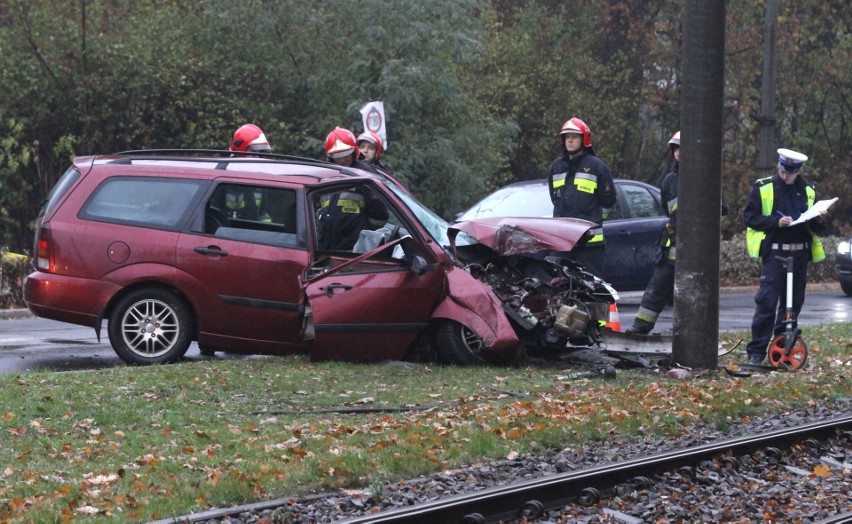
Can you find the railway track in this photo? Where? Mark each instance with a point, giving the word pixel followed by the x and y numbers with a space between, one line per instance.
pixel 530 500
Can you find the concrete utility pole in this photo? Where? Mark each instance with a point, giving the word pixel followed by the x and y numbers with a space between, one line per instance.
pixel 766 146
pixel 696 321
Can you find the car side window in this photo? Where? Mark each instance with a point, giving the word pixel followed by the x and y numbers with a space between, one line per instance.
pixel 252 213
pixel 639 202
pixel 160 203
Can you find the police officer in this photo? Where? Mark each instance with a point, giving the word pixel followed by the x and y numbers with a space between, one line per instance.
pixel 774 204
pixel 662 283
pixel 581 186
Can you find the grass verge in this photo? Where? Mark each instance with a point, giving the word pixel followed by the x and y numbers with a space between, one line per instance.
pixel 140 444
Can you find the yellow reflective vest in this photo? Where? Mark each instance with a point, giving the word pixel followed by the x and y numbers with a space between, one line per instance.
pixel 755 238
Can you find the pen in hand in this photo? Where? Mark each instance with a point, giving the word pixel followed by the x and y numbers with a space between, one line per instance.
pixel 783 222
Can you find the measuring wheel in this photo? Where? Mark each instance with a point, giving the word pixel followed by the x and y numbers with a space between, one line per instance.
pixel 795 359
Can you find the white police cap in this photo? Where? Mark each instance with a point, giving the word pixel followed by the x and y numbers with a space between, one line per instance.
pixel 790 160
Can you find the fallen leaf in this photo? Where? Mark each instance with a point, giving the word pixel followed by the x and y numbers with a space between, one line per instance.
pixel 821 470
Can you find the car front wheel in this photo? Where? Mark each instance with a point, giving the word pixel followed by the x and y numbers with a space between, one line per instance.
pixel 459 345
pixel 150 326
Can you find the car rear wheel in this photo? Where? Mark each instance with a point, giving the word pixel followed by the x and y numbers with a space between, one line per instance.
pixel 150 326
pixel 459 345
pixel 847 288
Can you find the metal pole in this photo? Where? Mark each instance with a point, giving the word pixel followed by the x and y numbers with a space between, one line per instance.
pixel 766 145
pixel 696 319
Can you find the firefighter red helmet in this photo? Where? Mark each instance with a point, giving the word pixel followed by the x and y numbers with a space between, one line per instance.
pixel 249 137
pixel 340 143
pixel 575 125
pixel 373 138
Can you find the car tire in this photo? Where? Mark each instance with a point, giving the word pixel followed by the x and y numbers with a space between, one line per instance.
pixel 847 288
pixel 457 344
pixel 151 326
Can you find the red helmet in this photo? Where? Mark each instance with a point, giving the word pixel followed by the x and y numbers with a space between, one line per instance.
pixel 575 125
pixel 249 137
pixel 373 138
pixel 340 143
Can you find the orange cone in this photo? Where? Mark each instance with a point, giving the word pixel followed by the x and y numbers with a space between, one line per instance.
pixel 614 322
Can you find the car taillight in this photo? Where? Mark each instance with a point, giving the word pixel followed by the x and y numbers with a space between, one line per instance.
pixel 44 255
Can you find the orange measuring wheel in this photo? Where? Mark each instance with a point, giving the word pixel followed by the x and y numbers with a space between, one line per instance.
pixel 795 359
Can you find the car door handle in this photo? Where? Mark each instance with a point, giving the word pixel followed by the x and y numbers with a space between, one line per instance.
pixel 329 289
pixel 211 250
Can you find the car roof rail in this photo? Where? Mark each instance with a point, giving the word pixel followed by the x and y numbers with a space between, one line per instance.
pixel 223 153
pixel 228 155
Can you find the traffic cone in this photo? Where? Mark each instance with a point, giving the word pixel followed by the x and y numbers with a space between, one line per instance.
pixel 614 322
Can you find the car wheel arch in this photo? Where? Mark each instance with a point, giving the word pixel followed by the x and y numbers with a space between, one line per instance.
pixel 108 310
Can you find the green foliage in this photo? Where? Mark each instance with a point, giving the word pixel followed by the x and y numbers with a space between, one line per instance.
pixel 13 269
pixel 474 90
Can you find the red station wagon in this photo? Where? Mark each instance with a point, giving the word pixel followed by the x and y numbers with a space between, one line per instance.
pixel 237 254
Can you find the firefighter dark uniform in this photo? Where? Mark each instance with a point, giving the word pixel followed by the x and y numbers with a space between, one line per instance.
pixel 771 199
pixel 581 186
pixel 662 282
pixel 344 215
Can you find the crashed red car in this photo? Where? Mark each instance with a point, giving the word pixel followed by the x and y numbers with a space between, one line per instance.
pixel 235 253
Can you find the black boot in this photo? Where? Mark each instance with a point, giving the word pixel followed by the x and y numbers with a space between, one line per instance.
pixel 640 327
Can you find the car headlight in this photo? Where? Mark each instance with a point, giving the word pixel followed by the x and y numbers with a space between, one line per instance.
pixel 843 248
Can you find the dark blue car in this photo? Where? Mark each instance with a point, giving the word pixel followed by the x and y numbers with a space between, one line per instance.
pixel 631 229
pixel 843 265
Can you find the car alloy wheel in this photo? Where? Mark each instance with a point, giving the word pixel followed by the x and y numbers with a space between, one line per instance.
pixel 150 326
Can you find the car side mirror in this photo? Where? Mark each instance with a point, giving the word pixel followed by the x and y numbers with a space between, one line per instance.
pixel 418 265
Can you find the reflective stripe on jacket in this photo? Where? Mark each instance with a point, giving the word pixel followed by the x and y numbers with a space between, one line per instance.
pixel 755 238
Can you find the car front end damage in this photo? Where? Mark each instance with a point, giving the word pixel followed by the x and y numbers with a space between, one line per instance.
pixel 549 301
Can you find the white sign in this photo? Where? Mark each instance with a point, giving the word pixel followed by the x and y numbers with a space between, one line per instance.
pixel 373 115
pixel 815 210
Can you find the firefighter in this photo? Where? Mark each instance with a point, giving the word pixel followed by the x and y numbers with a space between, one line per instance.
pixel 661 284
pixel 343 215
pixel 774 204
pixel 370 148
pixel 581 186
pixel 342 149
pixel 247 204
pixel 249 138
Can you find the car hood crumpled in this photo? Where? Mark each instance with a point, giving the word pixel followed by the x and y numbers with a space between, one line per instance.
pixel 517 236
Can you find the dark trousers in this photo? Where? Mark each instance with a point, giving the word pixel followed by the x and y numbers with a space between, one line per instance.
pixel 771 299
pixel 654 299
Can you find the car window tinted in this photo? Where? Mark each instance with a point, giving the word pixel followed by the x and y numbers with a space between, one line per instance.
pixel 253 213
pixel 639 202
pixel 160 203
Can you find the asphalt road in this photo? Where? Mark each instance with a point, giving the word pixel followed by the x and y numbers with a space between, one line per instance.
pixel 34 344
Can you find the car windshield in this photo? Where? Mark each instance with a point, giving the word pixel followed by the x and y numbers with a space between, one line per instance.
pixel 528 200
pixel 434 224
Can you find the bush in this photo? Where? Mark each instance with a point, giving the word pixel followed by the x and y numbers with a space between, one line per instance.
pixel 13 269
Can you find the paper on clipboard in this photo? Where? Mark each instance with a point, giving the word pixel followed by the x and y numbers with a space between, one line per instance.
pixel 815 210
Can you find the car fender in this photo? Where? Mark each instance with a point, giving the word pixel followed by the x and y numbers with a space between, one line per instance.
pixel 472 303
